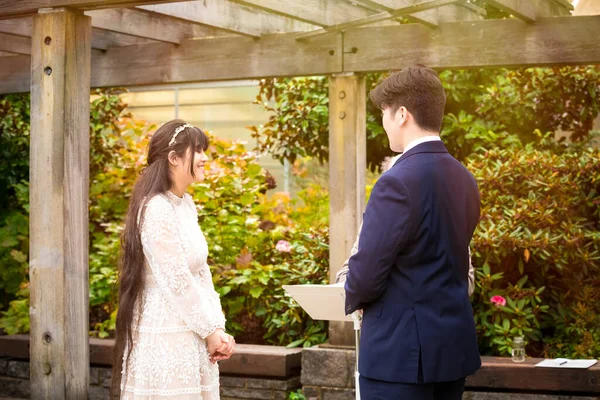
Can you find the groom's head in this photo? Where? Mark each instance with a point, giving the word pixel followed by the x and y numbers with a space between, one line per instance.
pixel 412 101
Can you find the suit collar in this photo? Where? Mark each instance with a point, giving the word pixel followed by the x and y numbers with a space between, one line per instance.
pixel 436 146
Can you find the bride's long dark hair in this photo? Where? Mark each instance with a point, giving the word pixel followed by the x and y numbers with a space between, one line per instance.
pixel 154 179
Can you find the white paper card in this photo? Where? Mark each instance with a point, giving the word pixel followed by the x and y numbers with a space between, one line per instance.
pixel 566 363
pixel 321 302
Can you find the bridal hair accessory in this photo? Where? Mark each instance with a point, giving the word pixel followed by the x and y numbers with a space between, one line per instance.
pixel 177 131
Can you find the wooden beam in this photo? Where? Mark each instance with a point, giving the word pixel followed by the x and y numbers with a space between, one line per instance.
pixel 215 59
pixel 104 40
pixel 449 13
pixel 15 44
pixel 21 8
pixel 316 12
pixel 421 5
pixel 488 43
pixel 18 26
pixel 347 174
pixel 529 10
pixel 232 17
pixel 501 373
pixel 101 39
pixel 59 180
pixel 148 25
pixel 218 59
pixel 432 17
pixel 15 74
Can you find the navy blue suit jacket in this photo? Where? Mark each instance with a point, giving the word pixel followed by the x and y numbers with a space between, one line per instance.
pixel 410 275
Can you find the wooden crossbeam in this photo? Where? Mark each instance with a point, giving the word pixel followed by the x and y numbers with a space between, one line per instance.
pixel 321 13
pixel 101 39
pixel 15 44
pixel 461 11
pixel 450 13
pixel 104 40
pixel 22 8
pixel 530 10
pixel 422 5
pixel 18 26
pixel 487 43
pixel 148 25
pixel 232 17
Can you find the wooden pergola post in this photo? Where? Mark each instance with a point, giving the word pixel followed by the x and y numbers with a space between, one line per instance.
pixel 347 172
pixel 59 186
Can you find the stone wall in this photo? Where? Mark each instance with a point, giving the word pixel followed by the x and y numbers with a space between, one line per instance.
pixel 328 374
pixel 14 383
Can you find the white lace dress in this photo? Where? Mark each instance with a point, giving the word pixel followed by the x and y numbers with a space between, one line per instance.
pixel 179 308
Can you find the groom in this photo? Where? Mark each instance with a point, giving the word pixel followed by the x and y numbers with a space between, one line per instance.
pixel 410 272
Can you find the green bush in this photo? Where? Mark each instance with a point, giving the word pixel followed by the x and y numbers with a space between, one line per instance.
pixel 243 228
pixel 538 246
pixel 483 106
pixel 237 218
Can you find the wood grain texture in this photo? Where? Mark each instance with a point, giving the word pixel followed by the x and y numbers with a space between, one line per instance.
pixel 102 39
pixel 230 16
pixel 19 8
pixel 347 174
pixel 248 359
pixel 59 179
pixel 217 59
pixel 530 10
pixel 148 25
pixel 502 373
pixel 420 6
pixel 490 43
pixel 317 12
pixel 15 44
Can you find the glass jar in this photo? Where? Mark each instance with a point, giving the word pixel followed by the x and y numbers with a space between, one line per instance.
pixel 518 349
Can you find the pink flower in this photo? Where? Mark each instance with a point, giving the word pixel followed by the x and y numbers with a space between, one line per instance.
pixel 283 246
pixel 498 301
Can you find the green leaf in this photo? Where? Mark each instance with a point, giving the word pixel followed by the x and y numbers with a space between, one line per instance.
pixel 256 291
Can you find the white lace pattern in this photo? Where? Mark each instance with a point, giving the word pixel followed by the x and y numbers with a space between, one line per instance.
pixel 179 308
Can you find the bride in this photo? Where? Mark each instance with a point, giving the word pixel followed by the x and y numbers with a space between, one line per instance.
pixel 170 325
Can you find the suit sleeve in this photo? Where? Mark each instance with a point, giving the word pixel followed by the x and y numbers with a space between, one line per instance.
pixel 386 229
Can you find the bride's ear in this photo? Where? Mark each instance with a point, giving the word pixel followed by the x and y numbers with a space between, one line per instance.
pixel 173 159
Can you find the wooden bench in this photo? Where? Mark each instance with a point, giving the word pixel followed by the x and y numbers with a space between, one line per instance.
pixel 501 374
pixel 248 360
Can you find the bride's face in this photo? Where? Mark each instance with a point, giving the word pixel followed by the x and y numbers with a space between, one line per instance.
pixel 181 168
pixel 200 159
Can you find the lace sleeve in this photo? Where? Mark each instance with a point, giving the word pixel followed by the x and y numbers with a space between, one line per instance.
pixel 165 254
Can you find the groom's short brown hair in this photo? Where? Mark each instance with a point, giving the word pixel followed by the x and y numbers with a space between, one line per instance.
pixel 417 88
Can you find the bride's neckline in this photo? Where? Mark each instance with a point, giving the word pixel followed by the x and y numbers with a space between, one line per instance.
pixel 174 198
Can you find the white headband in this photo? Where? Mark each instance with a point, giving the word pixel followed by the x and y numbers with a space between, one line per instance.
pixel 177 131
